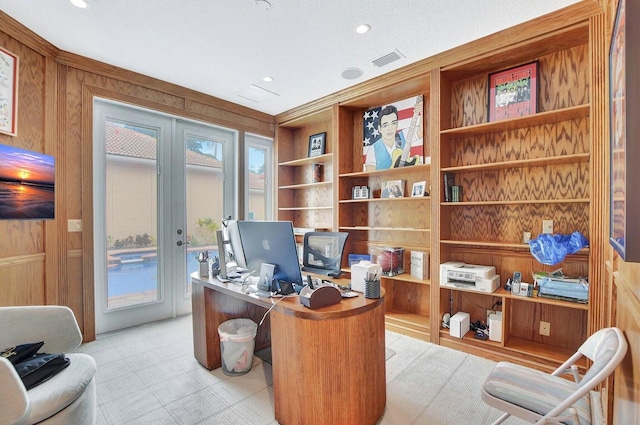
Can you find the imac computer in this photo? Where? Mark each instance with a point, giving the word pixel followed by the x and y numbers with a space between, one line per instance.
pixel 254 243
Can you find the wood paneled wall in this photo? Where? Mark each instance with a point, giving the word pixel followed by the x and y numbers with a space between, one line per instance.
pixel 40 261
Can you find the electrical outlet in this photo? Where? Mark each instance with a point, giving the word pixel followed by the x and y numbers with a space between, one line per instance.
pixel 545 328
pixel 74 225
pixel 547 226
pixel 489 313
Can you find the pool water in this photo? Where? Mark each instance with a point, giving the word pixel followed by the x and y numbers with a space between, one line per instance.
pixel 136 276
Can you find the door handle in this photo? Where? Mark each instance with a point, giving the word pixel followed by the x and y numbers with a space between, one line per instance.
pixel 180 243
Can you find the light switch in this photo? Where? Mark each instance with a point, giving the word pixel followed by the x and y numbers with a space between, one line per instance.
pixel 74 225
pixel 547 226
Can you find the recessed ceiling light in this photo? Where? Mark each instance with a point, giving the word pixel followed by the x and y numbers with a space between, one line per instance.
pixel 363 28
pixel 79 3
pixel 268 79
pixel 352 73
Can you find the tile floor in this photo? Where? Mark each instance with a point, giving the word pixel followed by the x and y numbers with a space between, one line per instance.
pixel 148 375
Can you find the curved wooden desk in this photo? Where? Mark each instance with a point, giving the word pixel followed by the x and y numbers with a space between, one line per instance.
pixel 328 364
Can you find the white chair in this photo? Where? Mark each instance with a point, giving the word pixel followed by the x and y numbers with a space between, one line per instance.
pixel 543 398
pixel 67 398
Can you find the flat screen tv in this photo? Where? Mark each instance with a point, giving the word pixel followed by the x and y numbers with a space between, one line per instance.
pixel 27 184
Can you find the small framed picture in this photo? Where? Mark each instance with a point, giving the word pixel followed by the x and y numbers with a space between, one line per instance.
pixel 364 192
pixel 355 192
pixel 392 189
pixel 513 92
pixel 317 144
pixel 418 189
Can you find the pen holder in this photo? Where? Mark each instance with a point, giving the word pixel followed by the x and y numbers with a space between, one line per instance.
pixel 372 288
pixel 204 268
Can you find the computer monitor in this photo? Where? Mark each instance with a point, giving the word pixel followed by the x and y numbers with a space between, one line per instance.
pixel 273 242
pixel 322 252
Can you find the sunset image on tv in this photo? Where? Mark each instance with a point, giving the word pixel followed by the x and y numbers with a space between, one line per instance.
pixel 26 184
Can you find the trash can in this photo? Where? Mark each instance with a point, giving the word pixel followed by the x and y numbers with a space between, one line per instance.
pixel 237 342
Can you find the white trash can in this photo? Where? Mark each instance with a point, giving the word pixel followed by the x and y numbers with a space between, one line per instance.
pixel 237 342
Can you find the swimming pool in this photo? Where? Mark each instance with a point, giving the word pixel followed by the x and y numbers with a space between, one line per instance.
pixel 137 273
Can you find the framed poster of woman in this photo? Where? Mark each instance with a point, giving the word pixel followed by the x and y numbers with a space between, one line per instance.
pixel 625 133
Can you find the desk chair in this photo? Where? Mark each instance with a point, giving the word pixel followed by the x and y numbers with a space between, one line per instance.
pixel 322 252
pixel 543 398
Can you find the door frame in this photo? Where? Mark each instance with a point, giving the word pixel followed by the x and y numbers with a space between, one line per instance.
pixel 167 211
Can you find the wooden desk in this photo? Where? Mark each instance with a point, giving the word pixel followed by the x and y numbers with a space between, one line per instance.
pixel 328 364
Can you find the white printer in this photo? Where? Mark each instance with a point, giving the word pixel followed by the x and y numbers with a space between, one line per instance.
pixel 456 274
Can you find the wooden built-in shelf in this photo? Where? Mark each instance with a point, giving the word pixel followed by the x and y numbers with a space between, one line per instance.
pixel 506 245
pixel 534 352
pixel 406 277
pixel 406 198
pixel 544 351
pixel 411 324
pixel 395 229
pixel 390 172
pixel 328 157
pixel 306 185
pixel 329 207
pixel 520 163
pixel 540 118
pixel 520 202
pixel 502 293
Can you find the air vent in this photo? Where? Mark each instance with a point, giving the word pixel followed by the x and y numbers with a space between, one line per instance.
pixel 257 94
pixel 388 58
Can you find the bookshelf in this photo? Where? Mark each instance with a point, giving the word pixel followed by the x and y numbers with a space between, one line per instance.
pixel 514 174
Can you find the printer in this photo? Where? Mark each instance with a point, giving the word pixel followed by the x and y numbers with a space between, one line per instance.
pixel 458 275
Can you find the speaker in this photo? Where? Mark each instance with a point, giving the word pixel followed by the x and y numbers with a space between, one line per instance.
pixel 459 324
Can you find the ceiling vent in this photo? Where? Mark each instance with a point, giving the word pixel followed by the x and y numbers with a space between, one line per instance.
pixel 257 94
pixel 387 59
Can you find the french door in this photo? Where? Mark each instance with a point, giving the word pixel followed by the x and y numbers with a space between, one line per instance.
pixel 162 185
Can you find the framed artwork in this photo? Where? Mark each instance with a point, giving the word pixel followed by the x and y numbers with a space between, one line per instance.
pixel 393 135
pixel 8 92
pixel 513 92
pixel 418 189
pixel 624 233
pixel 27 184
pixel 392 189
pixel 317 144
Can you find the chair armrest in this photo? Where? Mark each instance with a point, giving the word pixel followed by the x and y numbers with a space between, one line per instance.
pixel 55 325
pixel 14 402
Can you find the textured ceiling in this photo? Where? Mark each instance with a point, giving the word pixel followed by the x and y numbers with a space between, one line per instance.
pixel 225 47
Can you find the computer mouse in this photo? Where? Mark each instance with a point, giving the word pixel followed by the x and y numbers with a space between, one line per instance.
pixel 336 273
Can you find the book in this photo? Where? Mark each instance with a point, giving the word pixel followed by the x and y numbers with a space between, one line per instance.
pixel 420 264
pixel 449 182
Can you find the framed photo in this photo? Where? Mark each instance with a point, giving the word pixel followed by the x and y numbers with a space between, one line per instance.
pixel 392 189
pixel 364 192
pixel 513 92
pixel 316 144
pixel 418 189
pixel 355 192
pixel 624 233
pixel 8 92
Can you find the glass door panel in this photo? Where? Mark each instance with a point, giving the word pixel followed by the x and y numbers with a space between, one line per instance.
pixel 131 215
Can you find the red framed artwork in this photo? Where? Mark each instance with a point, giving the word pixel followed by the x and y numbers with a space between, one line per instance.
pixel 513 92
